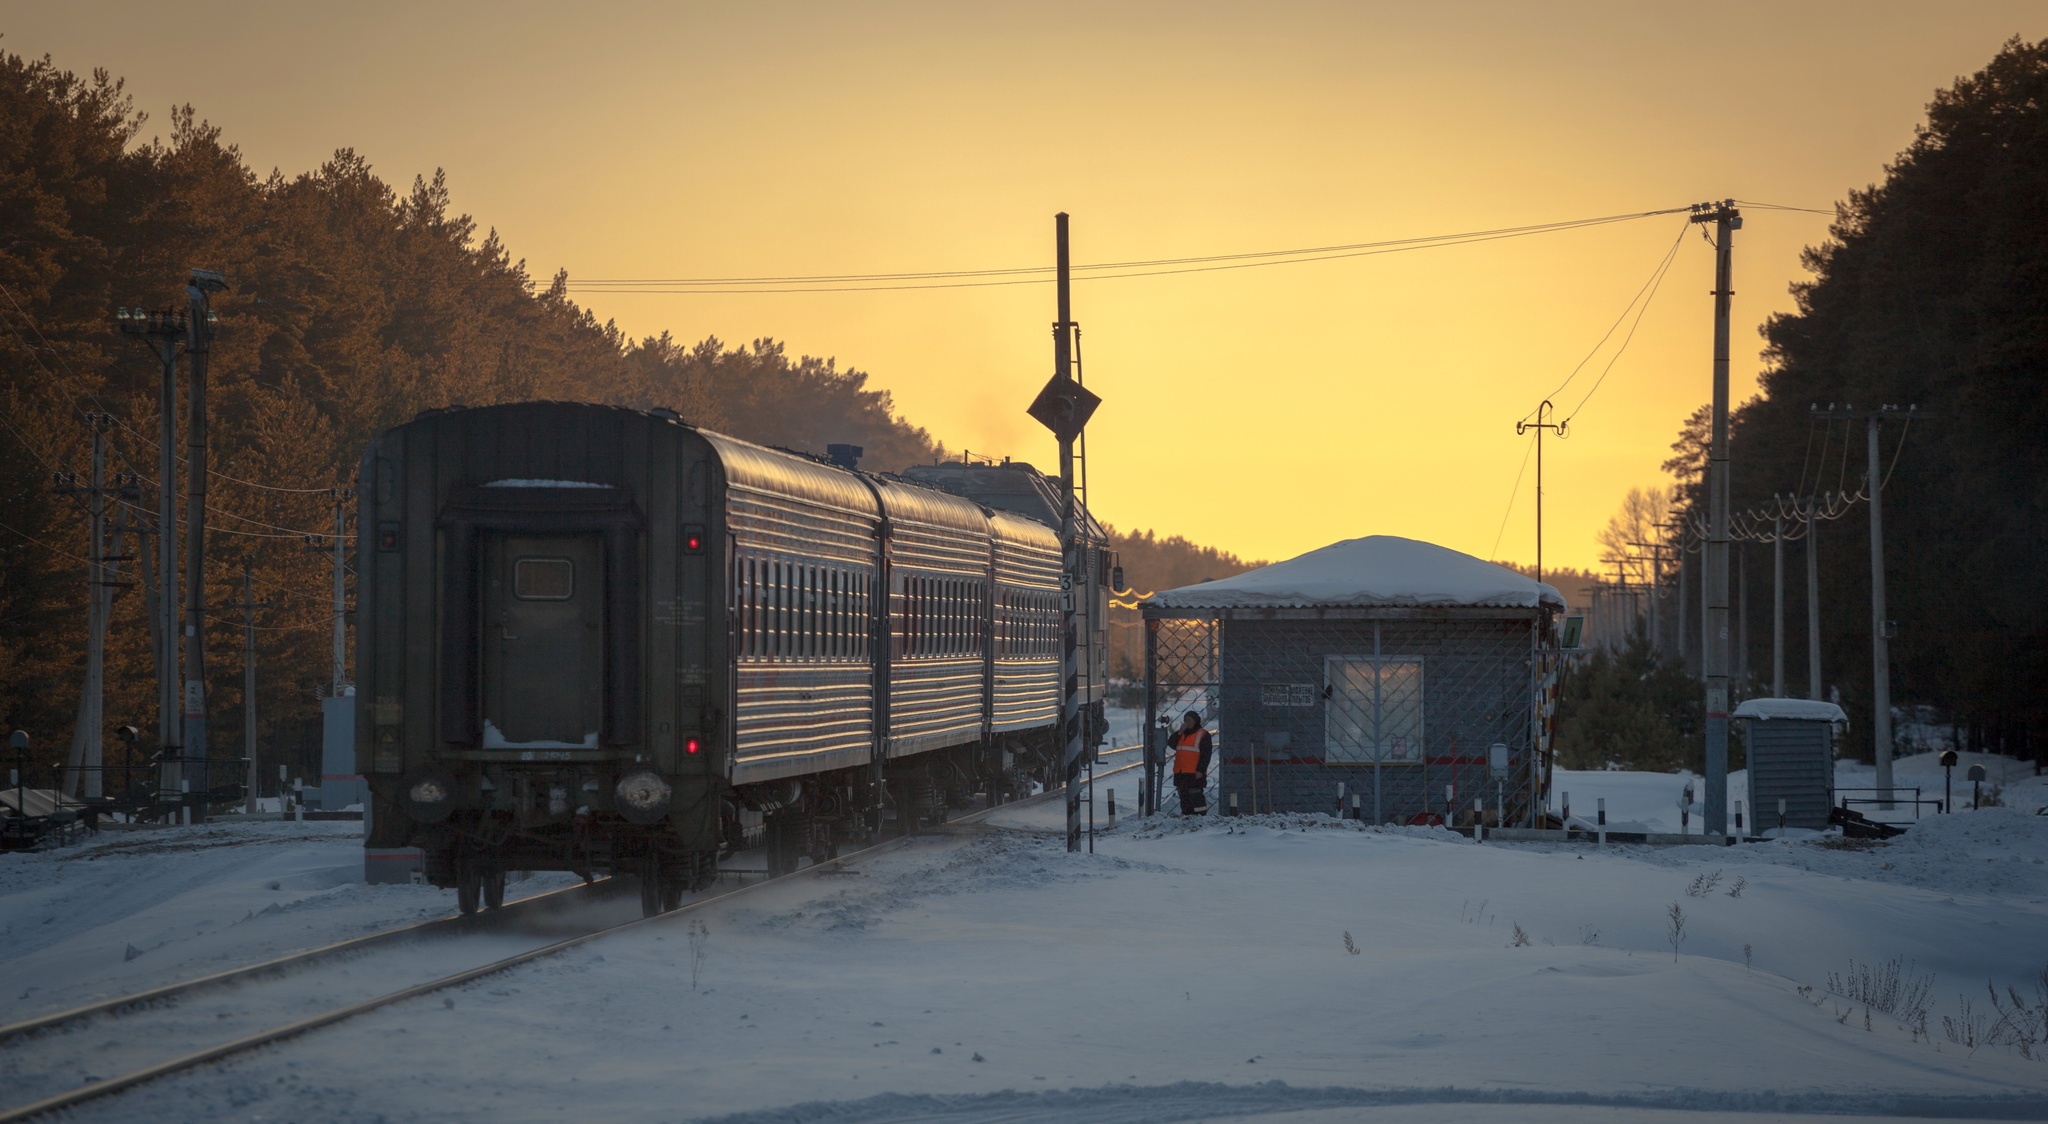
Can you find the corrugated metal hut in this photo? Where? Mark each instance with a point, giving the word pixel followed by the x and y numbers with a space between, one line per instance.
pixel 1791 758
pixel 1383 665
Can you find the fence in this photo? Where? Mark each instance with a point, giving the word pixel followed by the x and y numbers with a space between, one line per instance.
pixel 1385 715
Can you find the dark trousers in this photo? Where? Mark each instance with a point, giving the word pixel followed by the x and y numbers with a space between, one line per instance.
pixel 1193 802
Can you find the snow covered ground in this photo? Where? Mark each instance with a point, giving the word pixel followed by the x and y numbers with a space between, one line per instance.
pixel 1187 970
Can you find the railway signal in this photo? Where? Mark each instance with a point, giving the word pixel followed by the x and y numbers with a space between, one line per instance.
pixel 1064 406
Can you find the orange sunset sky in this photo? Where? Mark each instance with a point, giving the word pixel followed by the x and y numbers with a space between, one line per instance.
pixel 1267 411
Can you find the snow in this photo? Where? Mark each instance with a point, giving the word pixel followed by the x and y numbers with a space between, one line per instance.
pixel 1187 970
pixel 494 738
pixel 1375 570
pixel 544 484
pixel 1808 710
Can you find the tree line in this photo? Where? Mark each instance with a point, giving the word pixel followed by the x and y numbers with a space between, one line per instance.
pixel 353 307
pixel 1931 291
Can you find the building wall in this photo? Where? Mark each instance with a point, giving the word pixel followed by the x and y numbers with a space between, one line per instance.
pixel 1476 688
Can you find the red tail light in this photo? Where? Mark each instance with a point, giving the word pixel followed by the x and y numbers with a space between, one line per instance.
pixel 692 745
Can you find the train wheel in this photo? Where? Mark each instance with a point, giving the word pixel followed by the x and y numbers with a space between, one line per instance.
pixel 494 888
pixel 469 886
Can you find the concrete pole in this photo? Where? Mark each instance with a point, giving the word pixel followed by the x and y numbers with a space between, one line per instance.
pixel 1715 626
pixel 1813 689
pixel 199 332
pixel 1880 651
pixel 340 603
pixel 1778 606
pixel 170 722
pixel 249 680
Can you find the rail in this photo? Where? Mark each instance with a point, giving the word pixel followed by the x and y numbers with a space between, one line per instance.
pixel 111 1085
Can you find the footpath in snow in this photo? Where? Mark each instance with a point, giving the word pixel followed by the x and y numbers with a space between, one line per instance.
pixel 1269 968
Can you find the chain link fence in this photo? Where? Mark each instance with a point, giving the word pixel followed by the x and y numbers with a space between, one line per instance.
pixel 1391 716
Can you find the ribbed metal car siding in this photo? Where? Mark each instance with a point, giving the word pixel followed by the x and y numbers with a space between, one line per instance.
pixel 934 701
pixel 797 715
pixel 1027 562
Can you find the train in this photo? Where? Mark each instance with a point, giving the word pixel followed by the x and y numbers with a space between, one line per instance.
pixel 603 640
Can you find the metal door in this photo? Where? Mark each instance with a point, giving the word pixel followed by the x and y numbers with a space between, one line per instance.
pixel 543 641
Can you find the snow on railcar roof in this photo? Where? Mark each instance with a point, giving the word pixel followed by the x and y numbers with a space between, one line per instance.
pixel 1383 570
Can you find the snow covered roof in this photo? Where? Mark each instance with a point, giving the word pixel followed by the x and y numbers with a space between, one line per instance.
pixel 1807 709
pixel 1382 570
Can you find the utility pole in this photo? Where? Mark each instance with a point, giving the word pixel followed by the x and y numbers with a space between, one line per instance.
pixel 1813 598
pixel 1778 604
pixel 1727 220
pixel 87 751
pixel 160 330
pixel 199 333
pixel 249 606
pixel 1656 550
pixel 1741 660
pixel 340 598
pixel 335 547
pixel 1539 425
pixel 1880 627
pixel 1064 406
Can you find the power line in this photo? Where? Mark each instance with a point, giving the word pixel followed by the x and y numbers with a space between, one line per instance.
pixel 1655 272
pixel 1656 283
pixel 1039 275
pixel 1513 492
pixel 1784 207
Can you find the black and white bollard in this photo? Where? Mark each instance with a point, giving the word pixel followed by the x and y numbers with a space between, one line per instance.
pixel 1479 819
pixel 1354 805
pixel 1601 807
pixel 1112 807
pixel 1781 817
pixel 1565 812
pixel 1340 800
pixel 1738 819
pixel 1233 803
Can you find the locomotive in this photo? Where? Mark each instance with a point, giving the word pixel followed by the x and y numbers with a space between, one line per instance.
pixel 602 640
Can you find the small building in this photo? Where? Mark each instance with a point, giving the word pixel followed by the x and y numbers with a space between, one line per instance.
pixel 1383 668
pixel 1791 758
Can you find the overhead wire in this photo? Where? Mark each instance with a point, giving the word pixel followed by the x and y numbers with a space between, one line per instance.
pixel 1514 492
pixel 1041 275
pixel 1655 272
pixel 1656 283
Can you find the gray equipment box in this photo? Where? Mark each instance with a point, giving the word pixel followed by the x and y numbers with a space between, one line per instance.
pixel 1791 758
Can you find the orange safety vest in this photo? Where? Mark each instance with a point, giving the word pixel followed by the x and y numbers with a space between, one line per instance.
pixel 1187 753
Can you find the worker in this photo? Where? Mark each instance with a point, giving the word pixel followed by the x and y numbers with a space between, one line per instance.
pixel 1191 749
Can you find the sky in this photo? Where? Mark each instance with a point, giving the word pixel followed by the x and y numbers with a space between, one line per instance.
pixel 1267 411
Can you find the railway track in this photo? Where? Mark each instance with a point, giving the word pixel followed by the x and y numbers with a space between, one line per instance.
pixel 14 1036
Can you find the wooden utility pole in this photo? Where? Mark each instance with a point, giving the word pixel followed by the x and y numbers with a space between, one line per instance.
pixel 1714 627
